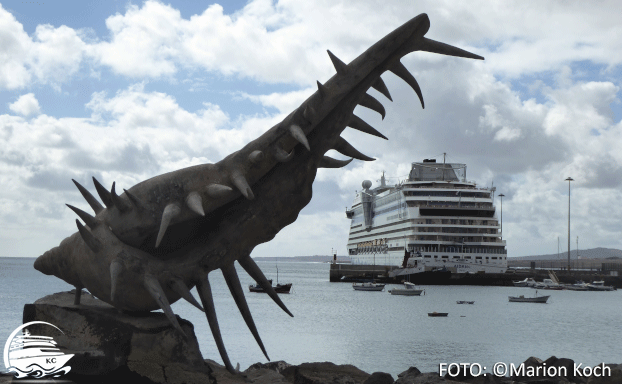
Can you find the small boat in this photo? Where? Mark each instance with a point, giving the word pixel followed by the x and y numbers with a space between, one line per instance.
pixel 528 282
pixel 578 286
pixel 368 286
pixel 409 290
pixel 548 284
pixel 280 288
pixel 438 314
pixel 465 302
pixel 523 299
pixel 599 286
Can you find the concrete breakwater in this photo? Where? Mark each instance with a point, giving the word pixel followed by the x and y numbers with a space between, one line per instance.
pixel 355 272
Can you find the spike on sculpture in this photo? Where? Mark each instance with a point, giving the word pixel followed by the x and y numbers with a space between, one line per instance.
pixel 163 236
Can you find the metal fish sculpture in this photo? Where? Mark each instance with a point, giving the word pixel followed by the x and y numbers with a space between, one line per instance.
pixel 149 246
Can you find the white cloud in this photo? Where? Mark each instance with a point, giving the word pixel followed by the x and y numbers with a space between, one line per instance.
pixel 25 105
pixel 51 57
pixel 526 145
pixel 14 50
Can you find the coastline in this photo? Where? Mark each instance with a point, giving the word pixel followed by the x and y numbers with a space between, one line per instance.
pixel 533 370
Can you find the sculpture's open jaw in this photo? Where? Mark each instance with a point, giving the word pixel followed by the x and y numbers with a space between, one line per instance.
pixel 163 236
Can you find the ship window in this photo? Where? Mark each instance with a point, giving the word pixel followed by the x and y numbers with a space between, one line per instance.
pixel 445 257
pixel 468 257
pixel 436 257
pixel 494 257
pixel 427 256
pixel 456 257
pixel 478 257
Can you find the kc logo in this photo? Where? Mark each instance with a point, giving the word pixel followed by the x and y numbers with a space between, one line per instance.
pixel 29 355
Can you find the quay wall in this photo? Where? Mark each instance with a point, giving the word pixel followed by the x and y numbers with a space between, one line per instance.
pixel 355 272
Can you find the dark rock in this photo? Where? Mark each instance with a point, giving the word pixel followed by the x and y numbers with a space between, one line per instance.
pixel 530 365
pixel 109 345
pixel 278 366
pixel 488 379
pixel 407 376
pixel 427 378
pixel 265 376
pixel 268 373
pixel 379 378
pixel 323 373
pixel 614 378
pixel 5 378
pixel 564 367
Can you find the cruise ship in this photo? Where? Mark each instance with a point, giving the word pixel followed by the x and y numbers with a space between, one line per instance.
pixel 434 221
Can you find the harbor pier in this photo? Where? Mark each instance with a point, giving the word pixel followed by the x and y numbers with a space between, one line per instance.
pixel 355 272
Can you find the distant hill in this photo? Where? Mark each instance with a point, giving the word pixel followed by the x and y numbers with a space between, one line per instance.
pixel 593 253
pixel 307 259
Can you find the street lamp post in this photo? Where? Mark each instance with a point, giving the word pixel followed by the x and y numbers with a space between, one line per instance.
pixel 569 179
pixel 501 196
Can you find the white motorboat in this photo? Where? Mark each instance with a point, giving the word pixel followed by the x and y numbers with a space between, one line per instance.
pixel 578 286
pixel 599 286
pixel 548 284
pixel 368 286
pixel 528 282
pixel 523 299
pixel 408 290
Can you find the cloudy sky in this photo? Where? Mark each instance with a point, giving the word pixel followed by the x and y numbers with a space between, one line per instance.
pixel 124 91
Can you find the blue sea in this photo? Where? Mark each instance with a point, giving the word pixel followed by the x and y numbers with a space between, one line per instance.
pixel 374 330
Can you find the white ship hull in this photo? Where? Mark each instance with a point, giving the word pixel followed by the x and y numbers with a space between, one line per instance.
pixel 434 220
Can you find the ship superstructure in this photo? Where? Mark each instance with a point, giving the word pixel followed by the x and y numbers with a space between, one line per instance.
pixel 435 219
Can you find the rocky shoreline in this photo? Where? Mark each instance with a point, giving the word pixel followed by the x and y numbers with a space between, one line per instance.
pixel 280 372
pixel 109 346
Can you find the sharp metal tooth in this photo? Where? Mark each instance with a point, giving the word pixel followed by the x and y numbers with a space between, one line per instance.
pixel 323 90
pixel 118 202
pixel 231 277
pixel 216 191
pixel 205 293
pixel 182 290
pixel 373 104
pixel 281 156
pixel 116 267
pixel 103 193
pixel 256 157
pixel 339 65
pixel 154 288
pixel 434 46
pixel 298 134
pixel 343 147
pixel 90 240
pixel 195 203
pixel 400 70
pixel 88 219
pixel 253 270
pixel 329 162
pixel 95 205
pixel 135 200
pixel 170 211
pixel 381 87
pixel 242 185
pixel 359 124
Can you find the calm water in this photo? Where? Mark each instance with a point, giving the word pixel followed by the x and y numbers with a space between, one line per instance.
pixel 374 330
